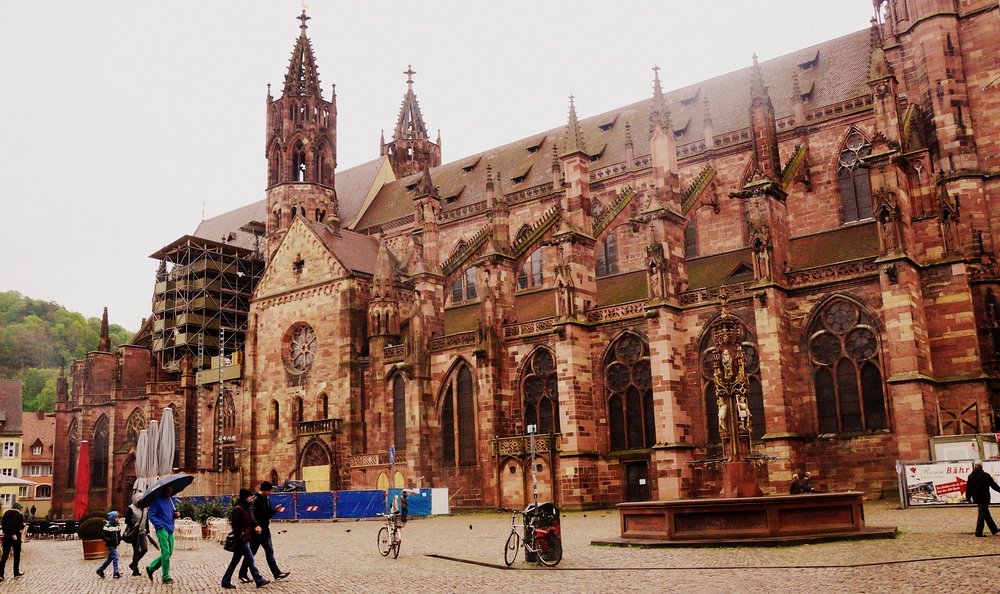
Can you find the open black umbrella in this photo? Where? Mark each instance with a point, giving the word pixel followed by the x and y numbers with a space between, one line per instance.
pixel 178 481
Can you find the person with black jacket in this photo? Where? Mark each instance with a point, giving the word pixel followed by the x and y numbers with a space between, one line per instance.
pixel 12 523
pixel 263 512
pixel 244 527
pixel 136 531
pixel 977 490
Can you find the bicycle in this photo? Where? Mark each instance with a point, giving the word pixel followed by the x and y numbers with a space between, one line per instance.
pixel 389 540
pixel 544 542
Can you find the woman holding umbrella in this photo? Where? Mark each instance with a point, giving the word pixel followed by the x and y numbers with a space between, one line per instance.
pixel 244 527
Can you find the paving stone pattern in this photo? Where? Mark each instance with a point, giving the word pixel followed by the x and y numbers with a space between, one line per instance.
pixel 936 551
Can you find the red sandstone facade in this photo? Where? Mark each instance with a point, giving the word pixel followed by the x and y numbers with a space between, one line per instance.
pixel 841 199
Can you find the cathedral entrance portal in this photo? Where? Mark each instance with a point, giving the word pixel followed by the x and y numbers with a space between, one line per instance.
pixel 316 467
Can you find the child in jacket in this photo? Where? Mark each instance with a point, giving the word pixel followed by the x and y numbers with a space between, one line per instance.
pixel 112 537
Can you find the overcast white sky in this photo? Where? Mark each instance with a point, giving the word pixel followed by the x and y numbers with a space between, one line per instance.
pixel 119 118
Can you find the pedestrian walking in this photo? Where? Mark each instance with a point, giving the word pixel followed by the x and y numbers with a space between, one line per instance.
pixel 262 513
pixel 112 536
pixel 33 516
pixel 796 487
pixel 806 484
pixel 977 490
pixel 136 532
pixel 12 523
pixel 162 513
pixel 244 528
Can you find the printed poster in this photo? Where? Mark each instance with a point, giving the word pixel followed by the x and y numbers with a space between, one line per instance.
pixel 939 483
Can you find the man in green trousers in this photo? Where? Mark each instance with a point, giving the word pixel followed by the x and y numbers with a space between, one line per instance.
pixel 161 514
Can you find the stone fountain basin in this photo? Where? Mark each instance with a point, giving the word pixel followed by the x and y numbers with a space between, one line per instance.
pixel 773 520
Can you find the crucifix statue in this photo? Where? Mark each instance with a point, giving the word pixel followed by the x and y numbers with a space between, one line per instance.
pixel 731 385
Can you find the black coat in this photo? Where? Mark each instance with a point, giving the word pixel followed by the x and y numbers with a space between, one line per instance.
pixel 262 512
pixel 243 522
pixel 978 485
pixel 12 521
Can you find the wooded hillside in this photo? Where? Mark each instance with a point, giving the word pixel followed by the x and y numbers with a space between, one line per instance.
pixel 38 337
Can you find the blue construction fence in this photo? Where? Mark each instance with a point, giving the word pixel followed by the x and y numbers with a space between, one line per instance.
pixel 330 505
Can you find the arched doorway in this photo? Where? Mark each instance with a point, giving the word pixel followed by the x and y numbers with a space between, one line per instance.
pixel 316 466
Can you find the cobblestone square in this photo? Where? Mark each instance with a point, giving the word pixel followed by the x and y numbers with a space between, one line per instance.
pixel 936 551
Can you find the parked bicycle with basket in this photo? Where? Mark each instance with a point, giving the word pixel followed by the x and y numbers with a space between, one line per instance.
pixel 539 525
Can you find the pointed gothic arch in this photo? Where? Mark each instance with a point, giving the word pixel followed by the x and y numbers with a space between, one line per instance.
pixel 99 448
pixel 844 346
pixel 628 387
pixel 853 180
pixel 397 385
pixel 539 390
pixel 135 423
pixel 457 413
pixel 73 453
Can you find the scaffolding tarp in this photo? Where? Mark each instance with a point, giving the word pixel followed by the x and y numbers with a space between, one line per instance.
pixel 360 504
pixel 418 501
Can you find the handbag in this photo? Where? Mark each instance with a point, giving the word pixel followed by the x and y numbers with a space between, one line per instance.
pixel 131 531
pixel 230 544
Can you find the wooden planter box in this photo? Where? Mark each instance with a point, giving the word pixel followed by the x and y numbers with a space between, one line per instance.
pixel 94 549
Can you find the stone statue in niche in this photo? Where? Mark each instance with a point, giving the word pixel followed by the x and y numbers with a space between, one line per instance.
pixel 654 268
pixel 723 412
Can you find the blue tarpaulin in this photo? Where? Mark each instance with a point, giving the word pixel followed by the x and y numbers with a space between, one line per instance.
pixel 360 504
pixel 418 503
pixel 314 506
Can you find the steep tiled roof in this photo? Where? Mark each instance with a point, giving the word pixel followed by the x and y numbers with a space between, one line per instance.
pixel 712 271
pixel 352 188
pixel 622 288
pixel 41 427
pixel 461 319
pixel 837 71
pixel 10 407
pixel 839 245
pixel 358 253
pixel 535 306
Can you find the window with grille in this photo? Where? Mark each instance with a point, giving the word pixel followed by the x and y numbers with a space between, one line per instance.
pixel 531 272
pixel 399 412
pixel 847 372
pixel 9 449
pixel 853 181
pixel 540 392
pixel 629 385
pixel 99 467
pixel 458 430
pixel 464 288
pixel 607 255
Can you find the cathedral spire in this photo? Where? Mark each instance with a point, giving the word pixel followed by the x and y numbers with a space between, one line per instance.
pixel 410 124
pixel 302 78
pixel 104 343
pixel 411 148
pixel 574 137
pixel 757 88
pixel 659 116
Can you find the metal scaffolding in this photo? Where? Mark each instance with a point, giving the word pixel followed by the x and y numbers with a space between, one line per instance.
pixel 201 300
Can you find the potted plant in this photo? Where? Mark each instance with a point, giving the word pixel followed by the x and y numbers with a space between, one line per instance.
pixel 90 532
pixel 187 509
pixel 210 508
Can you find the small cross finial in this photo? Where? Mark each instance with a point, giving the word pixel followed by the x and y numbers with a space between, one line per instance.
pixel 303 17
pixel 656 72
pixel 409 72
pixel 203 210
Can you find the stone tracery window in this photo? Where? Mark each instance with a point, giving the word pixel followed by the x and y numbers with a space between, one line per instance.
pixel 74 452
pixel 844 350
pixel 607 255
pixel 540 392
pixel 135 423
pixel 531 273
pixel 755 393
pixel 458 429
pixel 464 288
pixel 855 186
pixel 99 453
pixel 301 349
pixel 629 387
pixel 399 412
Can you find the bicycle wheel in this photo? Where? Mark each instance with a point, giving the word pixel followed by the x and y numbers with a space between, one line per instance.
pixel 511 549
pixel 396 543
pixel 550 550
pixel 383 541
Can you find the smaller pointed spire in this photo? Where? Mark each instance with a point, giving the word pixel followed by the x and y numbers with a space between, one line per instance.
pixel 629 146
pixel 574 137
pixel 425 187
pixel 410 124
pixel 302 78
pixel 707 124
pixel 381 143
pixel 104 343
pixel 660 115
pixel 796 90
pixel 438 141
pixel 757 88
pixel 879 67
